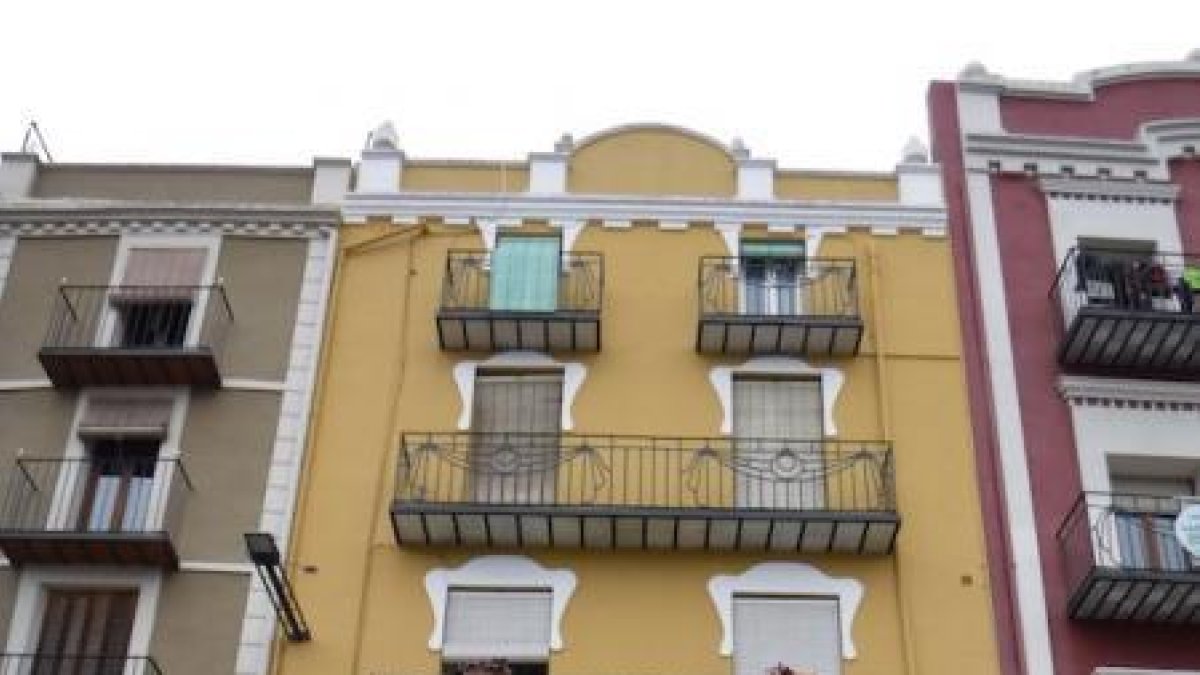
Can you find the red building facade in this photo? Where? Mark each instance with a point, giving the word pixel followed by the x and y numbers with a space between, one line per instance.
pixel 1074 211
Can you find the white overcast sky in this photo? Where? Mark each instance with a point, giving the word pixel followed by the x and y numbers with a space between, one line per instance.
pixel 837 84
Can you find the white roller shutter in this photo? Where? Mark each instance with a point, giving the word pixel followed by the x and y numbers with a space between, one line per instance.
pixel 482 624
pixel 801 633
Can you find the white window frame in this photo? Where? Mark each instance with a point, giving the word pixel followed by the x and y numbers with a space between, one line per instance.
pixel 35 583
pixel 169 449
pixel 465 372
pixel 209 242
pixel 499 572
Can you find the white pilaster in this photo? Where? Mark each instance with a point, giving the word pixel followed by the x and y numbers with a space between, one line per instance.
pixel 18 171
pixel 331 180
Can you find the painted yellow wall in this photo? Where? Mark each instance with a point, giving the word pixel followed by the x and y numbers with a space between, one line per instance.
pixel 652 161
pixel 465 176
pixel 926 609
pixel 811 185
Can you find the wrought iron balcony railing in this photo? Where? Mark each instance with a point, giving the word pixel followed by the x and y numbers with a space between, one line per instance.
pixel 779 305
pixel 1131 314
pixel 136 335
pixel 108 510
pixel 76 664
pixel 1123 561
pixel 494 307
pixel 786 494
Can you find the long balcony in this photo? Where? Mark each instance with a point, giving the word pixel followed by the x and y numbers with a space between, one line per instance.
pixel 76 664
pixel 496 307
pixel 106 336
pixel 105 511
pixel 1124 563
pixel 606 492
pixel 1129 315
pixel 779 305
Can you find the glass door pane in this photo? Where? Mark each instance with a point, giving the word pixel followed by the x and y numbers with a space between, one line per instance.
pixel 525 273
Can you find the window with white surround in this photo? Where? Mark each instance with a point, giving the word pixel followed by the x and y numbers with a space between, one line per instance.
pixel 1144 510
pixel 505 629
pixel 772 275
pixel 516 442
pixel 797 632
pixel 779 430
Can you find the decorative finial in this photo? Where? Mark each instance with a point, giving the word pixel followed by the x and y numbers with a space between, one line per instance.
pixel 738 147
pixel 914 152
pixel 384 137
pixel 974 70
pixel 565 143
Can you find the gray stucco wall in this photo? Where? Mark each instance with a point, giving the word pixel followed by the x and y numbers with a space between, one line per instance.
pixel 199 623
pixel 8 597
pixel 227 442
pixel 175 184
pixel 37 421
pixel 38 267
pixel 262 278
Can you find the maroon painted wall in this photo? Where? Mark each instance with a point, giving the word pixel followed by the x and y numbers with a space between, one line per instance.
pixel 1115 114
pixel 1029 267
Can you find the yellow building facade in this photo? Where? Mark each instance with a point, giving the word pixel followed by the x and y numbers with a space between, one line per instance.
pixel 642 404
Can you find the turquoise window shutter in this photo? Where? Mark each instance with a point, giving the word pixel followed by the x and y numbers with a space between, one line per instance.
pixel 525 274
pixel 773 249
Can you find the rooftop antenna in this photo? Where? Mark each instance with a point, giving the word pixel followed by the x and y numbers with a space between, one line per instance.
pixel 34 142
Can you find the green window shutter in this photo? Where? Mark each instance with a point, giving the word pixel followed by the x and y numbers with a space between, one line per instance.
pixel 525 274
pixel 773 249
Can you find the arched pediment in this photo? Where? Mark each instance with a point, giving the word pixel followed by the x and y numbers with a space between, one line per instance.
pixel 652 159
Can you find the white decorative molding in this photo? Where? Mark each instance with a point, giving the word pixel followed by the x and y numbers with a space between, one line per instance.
pixel 548 172
pixel 464 377
pixel 380 169
pixel 499 571
pixel 250 384
pixel 287 452
pixel 721 378
pixel 358 207
pixel 8 246
pixel 46 221
pixel 731 234
pixel 571 229
pixel 786 578
pixel 1157 394
pixel 1111 190
pixel 1010 443
pixel 1082 87
pixel 215 567
pixel 755 178
pixel 25 385
pixel 30 601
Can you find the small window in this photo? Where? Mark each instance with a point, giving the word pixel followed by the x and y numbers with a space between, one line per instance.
pixel 799 633
pixel 497 632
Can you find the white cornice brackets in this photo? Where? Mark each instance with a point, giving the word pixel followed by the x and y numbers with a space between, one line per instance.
pixel 722 382
pixel 786 578
pixel 489 228
pixel 464 377
pixel 499 571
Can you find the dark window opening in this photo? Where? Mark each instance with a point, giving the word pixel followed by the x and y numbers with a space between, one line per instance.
pixel 158 323
pixel 494 667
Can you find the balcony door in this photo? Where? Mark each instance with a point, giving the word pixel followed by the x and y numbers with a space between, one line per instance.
pixel 525 274
pixel 157 297
pixel 1144 511
pixel 779 460
pixel 85 632
pixel 772 273
pixel 515 450
pixel 119 486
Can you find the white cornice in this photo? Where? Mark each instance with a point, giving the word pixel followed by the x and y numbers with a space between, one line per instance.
pixel 1089 390
pixel 202 224
pixel 1115 190
pixel 408 206
pixel 1083 86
